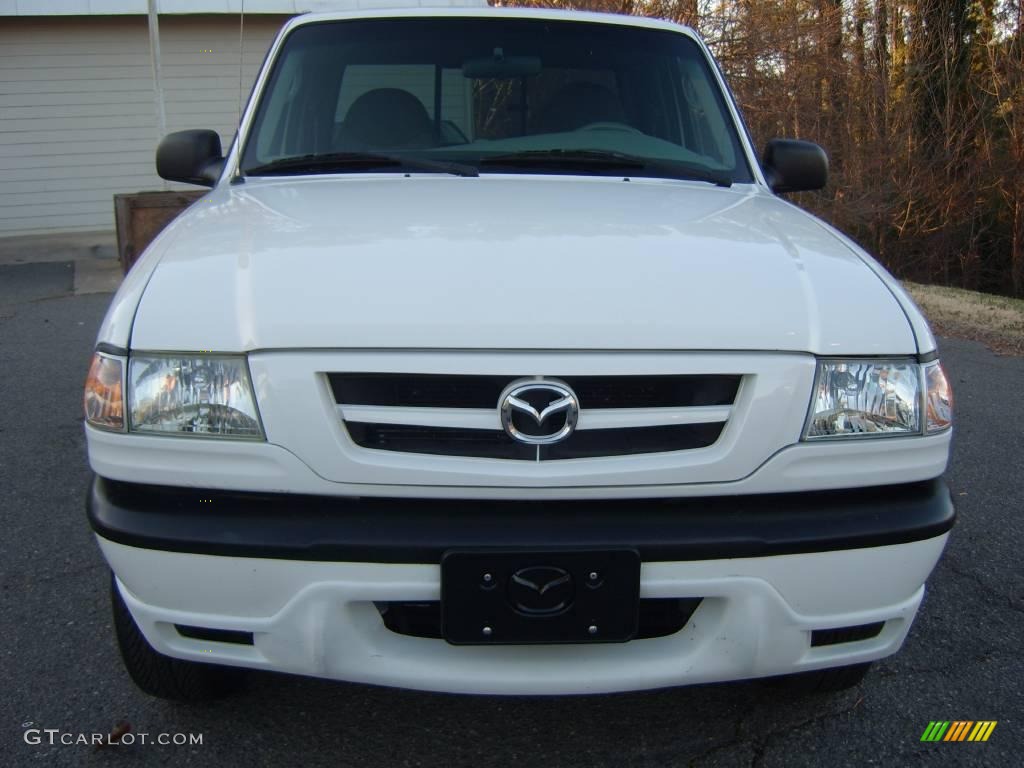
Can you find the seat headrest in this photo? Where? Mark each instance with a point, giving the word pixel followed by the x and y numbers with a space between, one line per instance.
pixel 388 118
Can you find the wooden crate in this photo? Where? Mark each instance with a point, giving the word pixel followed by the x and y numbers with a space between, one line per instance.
pixel 141 216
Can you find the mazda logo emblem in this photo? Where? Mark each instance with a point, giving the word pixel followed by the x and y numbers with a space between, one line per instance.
pixel 538 411
pixel 541 590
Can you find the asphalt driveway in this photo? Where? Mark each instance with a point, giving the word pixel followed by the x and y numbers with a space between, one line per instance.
pixel 61 670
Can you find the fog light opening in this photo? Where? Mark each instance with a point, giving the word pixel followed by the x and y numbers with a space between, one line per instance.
pixel 840 635
pixel 232 636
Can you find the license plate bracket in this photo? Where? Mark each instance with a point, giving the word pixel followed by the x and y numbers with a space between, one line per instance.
pixel 502 597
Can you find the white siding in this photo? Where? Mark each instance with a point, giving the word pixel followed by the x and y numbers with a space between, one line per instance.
pixel 77 108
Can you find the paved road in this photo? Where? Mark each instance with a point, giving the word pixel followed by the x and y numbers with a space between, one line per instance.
pixel 61 669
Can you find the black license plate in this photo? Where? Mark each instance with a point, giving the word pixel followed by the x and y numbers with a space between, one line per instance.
pixel 503 597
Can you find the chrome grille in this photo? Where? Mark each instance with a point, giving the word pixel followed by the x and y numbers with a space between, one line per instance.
pixel 457 415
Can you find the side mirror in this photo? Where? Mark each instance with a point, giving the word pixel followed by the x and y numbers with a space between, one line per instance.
pixel 193 157
pixel 791 165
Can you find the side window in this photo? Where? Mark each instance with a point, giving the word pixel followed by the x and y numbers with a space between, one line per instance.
pixel 417 80
pixel 708 131
pixel 499 110
pixel 278 128
pixel 650 99
pixel 555 101
pixel 456 105
pixel 570 99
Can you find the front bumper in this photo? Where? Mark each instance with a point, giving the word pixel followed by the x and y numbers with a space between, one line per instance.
pixel 293 527
pixel 304 582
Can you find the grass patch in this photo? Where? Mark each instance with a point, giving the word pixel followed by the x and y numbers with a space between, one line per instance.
pixel 997 321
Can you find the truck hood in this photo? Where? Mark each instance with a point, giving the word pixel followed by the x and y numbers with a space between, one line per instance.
pixel 510 262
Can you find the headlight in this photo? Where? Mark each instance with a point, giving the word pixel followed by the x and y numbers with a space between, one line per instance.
pixel 104 393
pixel 865 398
pixel 208 396
pixel 939 400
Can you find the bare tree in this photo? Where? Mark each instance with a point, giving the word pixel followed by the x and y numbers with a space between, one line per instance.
pixel 920 104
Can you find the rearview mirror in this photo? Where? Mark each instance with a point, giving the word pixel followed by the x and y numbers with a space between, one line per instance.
pixel 500 67
pixel 193 157
pixel 791 165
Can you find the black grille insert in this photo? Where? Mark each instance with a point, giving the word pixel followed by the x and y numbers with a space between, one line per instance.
pixel 438 441
pixel 626 441
pixel 484 443
pixel 658 617
pixel 466 391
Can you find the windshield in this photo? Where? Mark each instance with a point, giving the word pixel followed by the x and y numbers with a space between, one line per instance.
pixel 492 95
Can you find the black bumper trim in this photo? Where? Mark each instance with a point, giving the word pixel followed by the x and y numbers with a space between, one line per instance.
pixel 296 527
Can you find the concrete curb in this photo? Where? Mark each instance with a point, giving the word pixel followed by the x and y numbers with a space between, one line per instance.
pixel 70 246
pixel 94 254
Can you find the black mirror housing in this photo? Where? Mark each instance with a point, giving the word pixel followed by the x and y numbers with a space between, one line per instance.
pixel 193 157
pixel 791 165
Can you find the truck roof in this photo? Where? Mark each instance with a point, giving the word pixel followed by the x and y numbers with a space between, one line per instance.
pixel 380 9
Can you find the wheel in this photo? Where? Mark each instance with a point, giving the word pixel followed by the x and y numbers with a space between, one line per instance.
pixel 822 680
pixel 162 676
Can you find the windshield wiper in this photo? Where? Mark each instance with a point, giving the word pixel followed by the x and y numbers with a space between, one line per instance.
pixel 599 159
pixel 341 161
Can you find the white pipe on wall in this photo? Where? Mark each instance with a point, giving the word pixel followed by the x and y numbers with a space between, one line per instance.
pixel 154 60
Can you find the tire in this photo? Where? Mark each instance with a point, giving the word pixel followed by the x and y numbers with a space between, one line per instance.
pixel 822 680
pixel 162 676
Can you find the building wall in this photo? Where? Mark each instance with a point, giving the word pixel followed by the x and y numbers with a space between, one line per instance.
pixel 78 118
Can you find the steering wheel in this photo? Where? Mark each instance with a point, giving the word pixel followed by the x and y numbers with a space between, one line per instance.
pixel 607 125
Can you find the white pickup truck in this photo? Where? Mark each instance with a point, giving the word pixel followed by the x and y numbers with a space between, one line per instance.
pixel 493 362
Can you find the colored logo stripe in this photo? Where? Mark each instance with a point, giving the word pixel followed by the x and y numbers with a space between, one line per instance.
pixel 959 730
pixel 982 730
